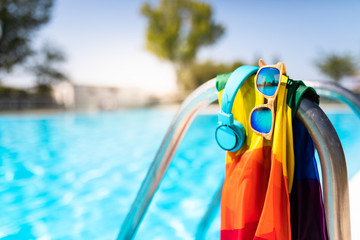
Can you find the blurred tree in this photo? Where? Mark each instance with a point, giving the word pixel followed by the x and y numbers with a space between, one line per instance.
pixel 10 92
pixel 46 69
pixel 176 30
pixel 202 72
pixel 337 66
pixel 18 21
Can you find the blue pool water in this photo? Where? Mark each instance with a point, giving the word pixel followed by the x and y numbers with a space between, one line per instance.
pixel 74 175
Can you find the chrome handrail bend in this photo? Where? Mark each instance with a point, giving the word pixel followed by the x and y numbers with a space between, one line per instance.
pixel 336 92
pixel 329 90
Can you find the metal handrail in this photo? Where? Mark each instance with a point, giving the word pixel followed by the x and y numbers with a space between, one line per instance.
pixel 336 92
pixel 335 185
pixel 329 90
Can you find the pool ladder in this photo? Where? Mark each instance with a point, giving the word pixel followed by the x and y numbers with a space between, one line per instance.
pixel 326 140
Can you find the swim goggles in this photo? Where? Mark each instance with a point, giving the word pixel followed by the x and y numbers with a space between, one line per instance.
pixel 267 82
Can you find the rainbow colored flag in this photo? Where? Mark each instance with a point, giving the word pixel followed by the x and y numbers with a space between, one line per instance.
pixel 271 188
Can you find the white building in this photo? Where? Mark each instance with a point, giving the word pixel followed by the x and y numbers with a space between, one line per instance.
pixel 95 97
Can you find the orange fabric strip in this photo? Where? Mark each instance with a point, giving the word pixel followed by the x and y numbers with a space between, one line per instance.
pixel 255 200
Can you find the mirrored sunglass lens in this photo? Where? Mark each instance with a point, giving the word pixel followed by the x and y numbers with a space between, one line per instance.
pixel 261 120
pixel 268 81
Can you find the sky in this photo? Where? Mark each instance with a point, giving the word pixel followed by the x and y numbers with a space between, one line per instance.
pixel 104 41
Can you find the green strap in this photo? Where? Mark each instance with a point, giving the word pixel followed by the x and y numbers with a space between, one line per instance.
pixel 296 91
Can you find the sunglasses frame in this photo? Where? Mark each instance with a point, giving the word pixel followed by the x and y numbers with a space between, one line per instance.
pixel 270 99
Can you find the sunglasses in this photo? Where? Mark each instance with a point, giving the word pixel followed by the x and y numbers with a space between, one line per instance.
pixel 267 82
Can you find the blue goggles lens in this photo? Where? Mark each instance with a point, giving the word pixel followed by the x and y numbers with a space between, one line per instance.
pixel 268 81
pixel 261 120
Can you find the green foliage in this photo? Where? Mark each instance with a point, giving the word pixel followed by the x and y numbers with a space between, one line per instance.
pixel 18 21
pixel 9 92
pixel 46 67
pixel 202 72
pixel 178 28
pixel 337 66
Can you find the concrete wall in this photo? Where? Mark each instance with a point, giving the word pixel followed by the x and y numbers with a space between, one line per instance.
pixel 68 96
pixel 107 98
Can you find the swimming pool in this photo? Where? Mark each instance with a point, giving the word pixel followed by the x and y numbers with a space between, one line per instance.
pixel 75 175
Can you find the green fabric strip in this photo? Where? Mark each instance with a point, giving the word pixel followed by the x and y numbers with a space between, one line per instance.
pixel 221 80
pixel 296 91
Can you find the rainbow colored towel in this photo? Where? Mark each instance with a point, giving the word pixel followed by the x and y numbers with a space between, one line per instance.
pixel 271 188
